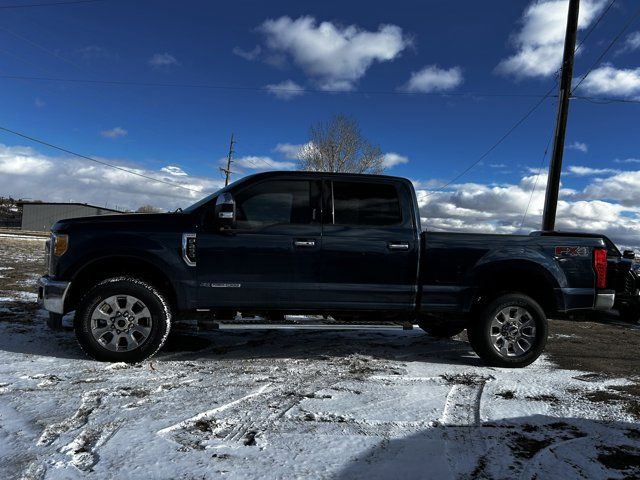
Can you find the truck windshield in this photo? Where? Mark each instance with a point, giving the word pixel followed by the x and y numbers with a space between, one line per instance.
pixel 210 197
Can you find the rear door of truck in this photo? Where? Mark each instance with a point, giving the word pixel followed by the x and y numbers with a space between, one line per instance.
pixel 370 248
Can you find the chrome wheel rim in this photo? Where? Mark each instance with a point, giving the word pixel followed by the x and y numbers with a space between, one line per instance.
pixel 121 323
pixel 513 331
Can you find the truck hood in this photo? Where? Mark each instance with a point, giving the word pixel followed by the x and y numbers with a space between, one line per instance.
pixel 130 222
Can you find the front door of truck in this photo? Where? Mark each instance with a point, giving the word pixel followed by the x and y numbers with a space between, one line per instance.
pixel 370 249
pixel 270 258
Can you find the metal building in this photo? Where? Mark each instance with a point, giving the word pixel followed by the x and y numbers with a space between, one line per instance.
pixel 40 216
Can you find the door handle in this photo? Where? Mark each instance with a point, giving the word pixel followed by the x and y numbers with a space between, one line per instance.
pixel 304 243
pixel 398 246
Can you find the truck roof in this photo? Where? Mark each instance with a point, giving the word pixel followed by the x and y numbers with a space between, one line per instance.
pixel 305 173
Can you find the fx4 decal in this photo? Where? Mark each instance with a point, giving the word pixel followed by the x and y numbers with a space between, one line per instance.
pixel 572 251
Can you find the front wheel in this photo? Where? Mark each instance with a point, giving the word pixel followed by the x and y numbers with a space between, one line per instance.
pixel 510 332
pixel 122 320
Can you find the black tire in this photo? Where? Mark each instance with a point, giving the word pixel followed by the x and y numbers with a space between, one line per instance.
pixel 441 330
pixel 54 322
pixel 480 329
pixel 158 324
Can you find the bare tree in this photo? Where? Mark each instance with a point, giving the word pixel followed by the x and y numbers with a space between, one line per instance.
pixel 338 146
pixel 148 209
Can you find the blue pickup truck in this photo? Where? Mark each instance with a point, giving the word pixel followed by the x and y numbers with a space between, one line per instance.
pixel 345 245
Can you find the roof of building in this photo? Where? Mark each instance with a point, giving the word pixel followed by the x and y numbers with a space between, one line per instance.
pixel 68 203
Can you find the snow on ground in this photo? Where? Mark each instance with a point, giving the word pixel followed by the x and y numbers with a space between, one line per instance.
pixel 297 404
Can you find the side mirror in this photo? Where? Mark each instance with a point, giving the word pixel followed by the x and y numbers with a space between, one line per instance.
pixel 225 211
pixel 630 254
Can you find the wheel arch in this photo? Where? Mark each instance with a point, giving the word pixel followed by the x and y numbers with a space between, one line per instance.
pixel 110 266
pixel 516 276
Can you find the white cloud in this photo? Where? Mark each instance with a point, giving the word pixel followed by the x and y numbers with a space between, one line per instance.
pixel 607 206
pixel 174 170
pixel 434 79
pixel 540 40
pixel 29 174
pixel 285 90
pixel 581 171
pixel 115 132
pixel 392 159
pixel 163 60
pixel 608 80
pixel 258 163
pixel 289 150
pixel 248 54
pixel 335 56
pixel 631 43
pixel 621 187
pixel 580 146
pixel 38 102
pixel 627 160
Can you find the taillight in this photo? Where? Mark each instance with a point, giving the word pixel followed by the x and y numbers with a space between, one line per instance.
pixel 600 266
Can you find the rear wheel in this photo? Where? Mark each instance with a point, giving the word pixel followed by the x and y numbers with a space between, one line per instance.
pixel 122 320
pixel 510 332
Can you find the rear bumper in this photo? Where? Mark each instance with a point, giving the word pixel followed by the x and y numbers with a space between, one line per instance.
pixel 52 294
pixel 605 301
pixel 584 299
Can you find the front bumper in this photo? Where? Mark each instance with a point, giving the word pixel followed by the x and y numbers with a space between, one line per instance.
pixel 52 294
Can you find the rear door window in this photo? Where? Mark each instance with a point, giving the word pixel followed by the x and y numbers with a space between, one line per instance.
pixel 366 204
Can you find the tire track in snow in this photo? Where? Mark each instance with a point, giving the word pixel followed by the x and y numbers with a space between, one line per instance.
pixel 262 411
pixel 82 449
pixel 462 409
pixel 462 406
pixel 208 415
pixel 88 403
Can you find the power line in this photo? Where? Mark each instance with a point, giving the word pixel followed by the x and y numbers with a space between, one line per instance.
pixel 40 47
pixel 264 89
pixel 606 50
pixel 535 183
pixel 595 25
pixel 605 100
pixel 528 114
pixel 496 144
pixel 51 4
pixel 70 152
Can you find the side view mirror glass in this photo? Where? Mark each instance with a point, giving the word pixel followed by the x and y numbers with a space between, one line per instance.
pixel 630 254
pixel 225 211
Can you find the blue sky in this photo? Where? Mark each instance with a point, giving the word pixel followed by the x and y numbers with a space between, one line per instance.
pixel 492 47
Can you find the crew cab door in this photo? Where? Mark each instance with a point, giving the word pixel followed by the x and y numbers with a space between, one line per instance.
pixel 370 245
pixel 272 256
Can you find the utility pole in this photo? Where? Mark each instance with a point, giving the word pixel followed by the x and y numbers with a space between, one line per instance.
pixel 555 166
pixel 227 171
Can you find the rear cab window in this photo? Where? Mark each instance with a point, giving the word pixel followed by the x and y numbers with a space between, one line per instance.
pixel 365 204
